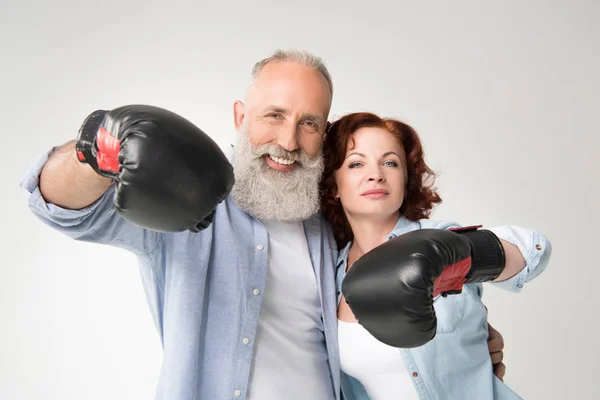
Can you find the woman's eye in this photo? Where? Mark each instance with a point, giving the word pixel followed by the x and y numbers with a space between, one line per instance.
pixel 391 163
pixel 354 165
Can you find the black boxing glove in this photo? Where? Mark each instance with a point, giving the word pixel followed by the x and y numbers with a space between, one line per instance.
pixel 170 175
pixel 390 289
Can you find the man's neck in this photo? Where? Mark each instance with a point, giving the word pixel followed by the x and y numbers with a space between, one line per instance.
pixel 369 233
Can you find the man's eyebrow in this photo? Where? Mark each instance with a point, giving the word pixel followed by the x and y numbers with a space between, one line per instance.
pixel 314 117
pixel 274 108
pixel 284 111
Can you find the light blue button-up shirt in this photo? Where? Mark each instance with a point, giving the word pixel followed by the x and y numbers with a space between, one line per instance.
pixel 204 289
pixel 456 364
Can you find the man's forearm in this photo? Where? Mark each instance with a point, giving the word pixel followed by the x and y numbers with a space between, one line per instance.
pixel 514 261
pixel 67 183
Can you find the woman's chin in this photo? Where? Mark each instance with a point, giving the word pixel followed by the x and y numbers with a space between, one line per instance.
pixel 377 213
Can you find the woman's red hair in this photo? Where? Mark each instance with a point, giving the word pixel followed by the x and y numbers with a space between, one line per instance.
pixel 421 197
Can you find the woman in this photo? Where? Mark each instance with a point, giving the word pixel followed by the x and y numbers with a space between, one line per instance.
pixel 377 186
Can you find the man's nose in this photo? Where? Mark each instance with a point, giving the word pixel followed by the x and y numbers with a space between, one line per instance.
pixel 287 137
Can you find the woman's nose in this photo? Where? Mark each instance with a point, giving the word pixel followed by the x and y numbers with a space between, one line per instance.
pixel 376 176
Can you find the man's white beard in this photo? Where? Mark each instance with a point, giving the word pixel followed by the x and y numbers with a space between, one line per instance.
pixel 268 194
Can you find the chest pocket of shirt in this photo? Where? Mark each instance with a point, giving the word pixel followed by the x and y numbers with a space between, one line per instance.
pixel 450 312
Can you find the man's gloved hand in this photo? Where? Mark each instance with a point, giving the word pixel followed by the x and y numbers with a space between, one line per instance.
pixel 170 175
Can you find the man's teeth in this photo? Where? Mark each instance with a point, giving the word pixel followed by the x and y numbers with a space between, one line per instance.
pixel 282 161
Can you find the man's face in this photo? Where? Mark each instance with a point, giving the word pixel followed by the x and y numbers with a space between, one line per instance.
pixel 278 161
pixel 287 106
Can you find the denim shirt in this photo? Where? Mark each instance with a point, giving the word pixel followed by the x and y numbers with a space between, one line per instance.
pixel 456 364
pixel 203 289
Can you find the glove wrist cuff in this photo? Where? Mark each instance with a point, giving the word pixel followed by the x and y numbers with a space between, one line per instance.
pixel 488 257
pixel 86 138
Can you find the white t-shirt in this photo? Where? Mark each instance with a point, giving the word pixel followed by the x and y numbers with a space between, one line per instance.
pixel 376 365
pixel 290 360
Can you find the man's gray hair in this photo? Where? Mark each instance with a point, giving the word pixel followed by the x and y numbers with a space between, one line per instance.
pixel 298 56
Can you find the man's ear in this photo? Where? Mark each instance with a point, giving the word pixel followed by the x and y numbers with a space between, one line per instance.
pixel 327 126
pixel 238 115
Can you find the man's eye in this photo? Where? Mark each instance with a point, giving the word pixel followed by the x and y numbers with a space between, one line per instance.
pixel 273 115
pixel 313 126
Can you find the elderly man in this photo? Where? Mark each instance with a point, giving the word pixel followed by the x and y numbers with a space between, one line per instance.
pixel 239 277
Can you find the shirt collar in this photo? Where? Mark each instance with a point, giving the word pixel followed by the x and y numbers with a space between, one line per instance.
pixel 343 254
pixel 403 225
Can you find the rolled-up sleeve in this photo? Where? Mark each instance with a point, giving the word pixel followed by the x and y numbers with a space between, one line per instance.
pixel 535 248
pixel 99 222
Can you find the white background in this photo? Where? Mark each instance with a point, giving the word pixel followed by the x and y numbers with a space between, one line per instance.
pixel 505 96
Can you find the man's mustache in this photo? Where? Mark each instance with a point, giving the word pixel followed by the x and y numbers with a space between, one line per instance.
pixel 277 151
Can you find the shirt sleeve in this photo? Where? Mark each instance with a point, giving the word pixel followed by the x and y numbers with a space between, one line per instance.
pixel 97 223
pixel 535 248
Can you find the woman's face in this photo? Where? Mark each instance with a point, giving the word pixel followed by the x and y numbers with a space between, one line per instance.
pixel 372 178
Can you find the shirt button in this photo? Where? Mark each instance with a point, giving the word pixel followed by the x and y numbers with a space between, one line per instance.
pixel 237 393
pixel 538 246
pixel 415 374
pixel 256 292
pixel 245 340
pixel 260 247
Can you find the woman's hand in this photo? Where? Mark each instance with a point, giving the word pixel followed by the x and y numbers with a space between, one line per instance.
pixel 391 288
pixel 496 347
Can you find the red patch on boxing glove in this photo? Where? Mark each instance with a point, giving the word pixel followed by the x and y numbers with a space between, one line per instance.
pixel 452 279
pixel 108 151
